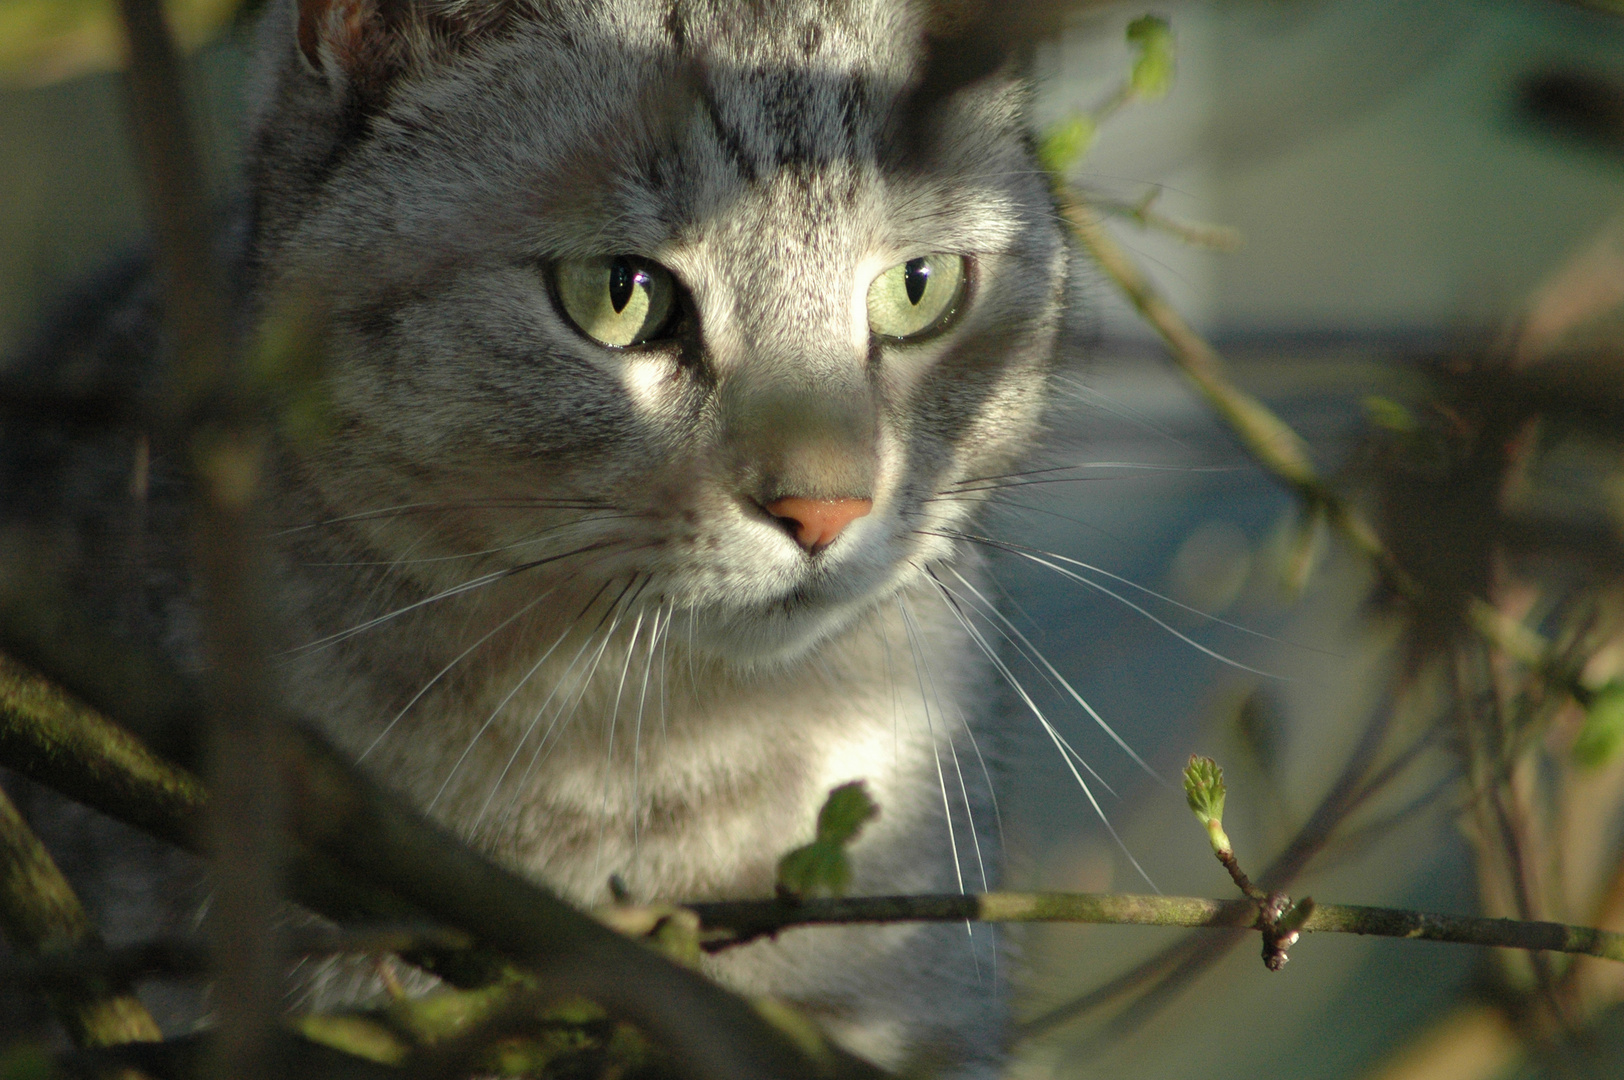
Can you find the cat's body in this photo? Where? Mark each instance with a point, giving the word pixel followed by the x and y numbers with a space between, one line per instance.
pixel 533 581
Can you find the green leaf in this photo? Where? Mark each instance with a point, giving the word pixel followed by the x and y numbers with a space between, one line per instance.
pixel 1152 74
pixel 822 866
pixel 815 868
pixel 847 809
pixel 1603 732
pixel 1066 143
pixel 1204 789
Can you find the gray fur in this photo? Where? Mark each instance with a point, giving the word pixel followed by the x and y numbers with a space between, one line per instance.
pixel 653 679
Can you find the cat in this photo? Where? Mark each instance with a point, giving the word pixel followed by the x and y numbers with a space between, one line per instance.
pixel 664 347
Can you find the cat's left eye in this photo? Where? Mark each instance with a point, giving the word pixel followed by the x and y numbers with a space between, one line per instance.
pixel 616 300
pixel 914 298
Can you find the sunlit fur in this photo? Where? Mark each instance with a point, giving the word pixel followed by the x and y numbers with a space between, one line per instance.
pixel 528 579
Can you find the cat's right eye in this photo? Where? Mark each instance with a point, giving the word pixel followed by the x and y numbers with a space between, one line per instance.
pixel 616 300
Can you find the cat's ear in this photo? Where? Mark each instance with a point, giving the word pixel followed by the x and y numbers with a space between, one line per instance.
pixel 966 41
pixel 349 42
pixel 366 44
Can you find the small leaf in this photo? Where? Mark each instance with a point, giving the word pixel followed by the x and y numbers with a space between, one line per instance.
pixel 816 868
pixel 1603 732
pixel 1204 789
pixel 847 809
pixel 1152 73
pixel 1066 143
pixel 822 866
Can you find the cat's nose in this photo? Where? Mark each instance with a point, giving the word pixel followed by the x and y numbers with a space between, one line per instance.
pixel 818 521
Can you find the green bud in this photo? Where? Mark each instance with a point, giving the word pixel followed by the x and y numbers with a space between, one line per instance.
pixel 1603 731
pixel 1204 789
pixel 1066 143
pixel 1152 74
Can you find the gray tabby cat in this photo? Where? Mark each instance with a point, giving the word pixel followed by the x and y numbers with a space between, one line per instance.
pixel 658 337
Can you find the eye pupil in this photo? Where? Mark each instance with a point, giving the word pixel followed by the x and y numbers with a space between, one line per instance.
pixel 621 281
pixel 914 278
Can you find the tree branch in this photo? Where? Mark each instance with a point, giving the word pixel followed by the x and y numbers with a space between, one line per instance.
pixel 1282 452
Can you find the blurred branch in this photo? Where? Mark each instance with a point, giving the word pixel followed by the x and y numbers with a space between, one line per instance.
pixel 1282 452
pixel 225 456
pixel 41 916
pixel 186 957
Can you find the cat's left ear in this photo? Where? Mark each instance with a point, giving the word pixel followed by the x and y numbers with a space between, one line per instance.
pixel 340 37
pixel 366 44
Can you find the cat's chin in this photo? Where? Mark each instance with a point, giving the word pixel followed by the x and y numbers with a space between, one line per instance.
pixel 777 637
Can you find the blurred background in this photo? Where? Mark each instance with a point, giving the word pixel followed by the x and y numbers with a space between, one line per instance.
pixel 1378 189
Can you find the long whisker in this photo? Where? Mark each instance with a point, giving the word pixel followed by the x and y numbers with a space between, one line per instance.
pixel 1046 475
pixel 560 720
pixel 1048 728
pixel 536 538
pixel 491 719
pixel 614 716
pixel 1042 559
pixel 498 628
pixel 455 590
pixel 460 504
pixel 1033 652
pixel 637 741
pixel 558 684
pixel 936 750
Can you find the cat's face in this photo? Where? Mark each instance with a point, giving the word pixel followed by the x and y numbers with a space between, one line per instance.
pixel 827 298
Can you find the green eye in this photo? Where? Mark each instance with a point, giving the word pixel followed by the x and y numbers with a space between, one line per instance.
pixel 616 300
pixel 912 299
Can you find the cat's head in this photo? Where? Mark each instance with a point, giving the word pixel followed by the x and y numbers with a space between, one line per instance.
pixel 711 304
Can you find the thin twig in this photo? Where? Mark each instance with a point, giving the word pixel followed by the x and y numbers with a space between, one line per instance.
pixel 733 922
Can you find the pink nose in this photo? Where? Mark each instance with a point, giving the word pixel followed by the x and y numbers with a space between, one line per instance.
pixel 819 521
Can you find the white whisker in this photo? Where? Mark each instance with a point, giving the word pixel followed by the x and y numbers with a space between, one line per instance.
pixel 1042 559
pixel 614 716
pixel 1034 653
pixel 924 700
pixel 1048 728
pixel 491 719
pixel 443 671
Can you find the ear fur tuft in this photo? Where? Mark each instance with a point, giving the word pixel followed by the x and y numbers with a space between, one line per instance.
pixel 366 43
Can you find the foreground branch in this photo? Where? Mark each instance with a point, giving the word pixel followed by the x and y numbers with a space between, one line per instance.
pixel 347 828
